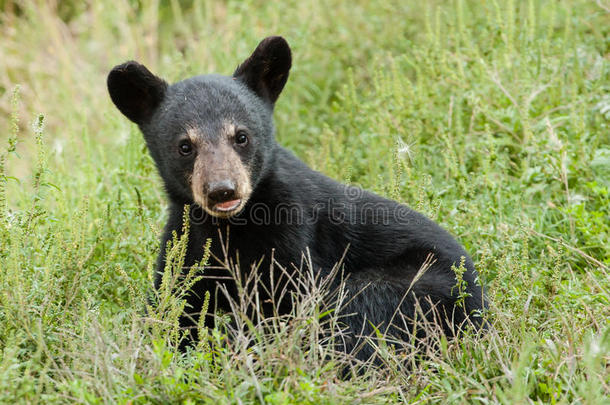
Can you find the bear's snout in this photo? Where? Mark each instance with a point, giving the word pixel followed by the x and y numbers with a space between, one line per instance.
pixel 221 191
pixel 222 196
pixel 220 184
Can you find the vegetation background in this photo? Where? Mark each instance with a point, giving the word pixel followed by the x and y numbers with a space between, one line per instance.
pixel 492 117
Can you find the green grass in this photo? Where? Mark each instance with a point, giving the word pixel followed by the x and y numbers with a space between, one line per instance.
pixel 491 117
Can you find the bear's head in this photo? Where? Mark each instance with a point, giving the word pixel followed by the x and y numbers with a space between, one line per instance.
pixel 209 135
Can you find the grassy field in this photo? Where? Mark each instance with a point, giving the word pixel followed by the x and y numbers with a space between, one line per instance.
pixel 492 117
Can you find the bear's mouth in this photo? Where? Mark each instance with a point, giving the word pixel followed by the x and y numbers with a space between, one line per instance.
pixel 227 207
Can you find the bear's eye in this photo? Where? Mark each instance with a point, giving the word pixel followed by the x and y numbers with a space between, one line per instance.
pixel 185 148
pixel 241 138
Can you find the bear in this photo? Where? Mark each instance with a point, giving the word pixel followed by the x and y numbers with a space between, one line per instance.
pixel 212 139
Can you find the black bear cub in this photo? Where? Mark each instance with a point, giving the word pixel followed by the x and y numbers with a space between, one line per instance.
pixel 212 139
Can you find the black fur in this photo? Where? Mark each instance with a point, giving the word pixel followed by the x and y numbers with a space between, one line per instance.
pixel 135 90
pixel 266 71
pixel 384 250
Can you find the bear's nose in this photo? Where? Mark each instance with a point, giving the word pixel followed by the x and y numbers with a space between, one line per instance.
pixel 221 191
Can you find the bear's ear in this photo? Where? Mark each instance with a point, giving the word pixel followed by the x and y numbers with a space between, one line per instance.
pixel 135 90
pixel 265 72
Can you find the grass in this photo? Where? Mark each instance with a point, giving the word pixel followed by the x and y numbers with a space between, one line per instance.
pixel 491 117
